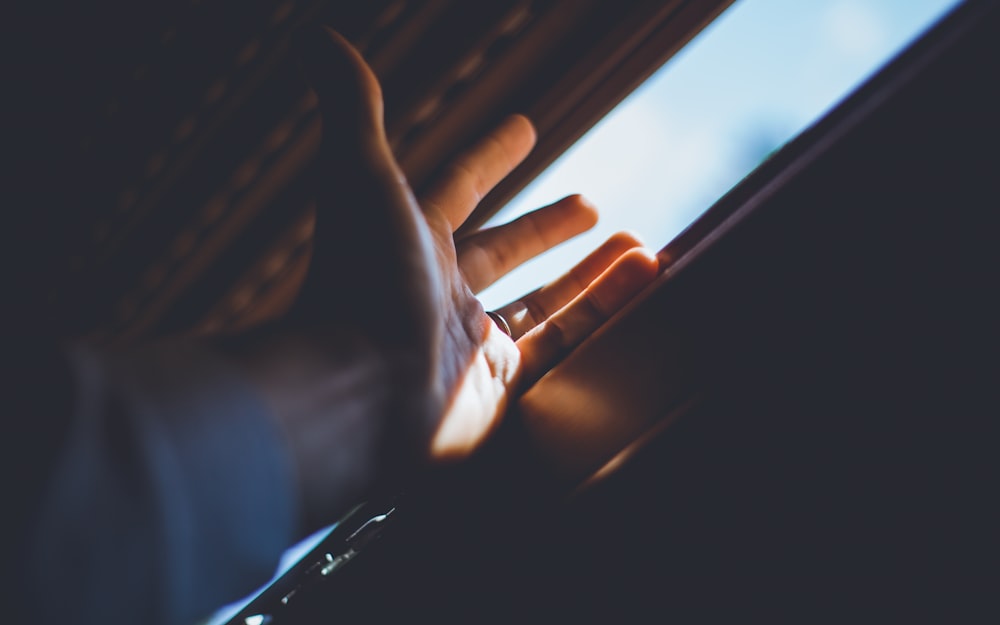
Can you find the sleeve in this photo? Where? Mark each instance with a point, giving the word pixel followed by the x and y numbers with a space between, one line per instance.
pixel 158 490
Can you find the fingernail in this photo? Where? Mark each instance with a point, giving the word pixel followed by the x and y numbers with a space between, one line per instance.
pixel 649 254
pixel 585 201
pixel 589 209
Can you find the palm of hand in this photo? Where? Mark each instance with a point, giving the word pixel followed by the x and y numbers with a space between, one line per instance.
pixel 374 238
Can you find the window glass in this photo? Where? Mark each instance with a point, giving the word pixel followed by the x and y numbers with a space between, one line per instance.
pixel 752 80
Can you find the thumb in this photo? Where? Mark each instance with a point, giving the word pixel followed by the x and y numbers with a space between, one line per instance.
pixel 350 98
pixel 371 243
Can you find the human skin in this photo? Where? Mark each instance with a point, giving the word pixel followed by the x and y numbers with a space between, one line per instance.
pixel 386 362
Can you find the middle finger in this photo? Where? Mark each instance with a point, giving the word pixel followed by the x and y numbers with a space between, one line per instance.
pixel 488 255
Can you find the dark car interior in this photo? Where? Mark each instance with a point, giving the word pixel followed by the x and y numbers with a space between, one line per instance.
pixel 796 422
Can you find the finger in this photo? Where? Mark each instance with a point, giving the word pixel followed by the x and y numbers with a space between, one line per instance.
pixel 488 255
pixel 474 173
pixel 366 215
pixel 545 345
pixel 537 306
pixel 350 97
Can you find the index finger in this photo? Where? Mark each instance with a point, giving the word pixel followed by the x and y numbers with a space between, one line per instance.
pixel 472 175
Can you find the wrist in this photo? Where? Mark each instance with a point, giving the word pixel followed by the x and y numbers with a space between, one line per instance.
pixel 342 405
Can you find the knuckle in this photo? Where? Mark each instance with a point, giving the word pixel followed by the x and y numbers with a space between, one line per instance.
pixel 499 255
pixel 578 279
pixel 462 174
pixel 552 336
pixel 591 309
pixel 534 312
pixel 541 235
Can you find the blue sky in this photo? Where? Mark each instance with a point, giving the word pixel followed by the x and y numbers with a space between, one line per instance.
pixel 755 78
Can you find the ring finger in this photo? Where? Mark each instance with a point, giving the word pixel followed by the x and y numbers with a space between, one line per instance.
pixel 550 340
pixel 527 312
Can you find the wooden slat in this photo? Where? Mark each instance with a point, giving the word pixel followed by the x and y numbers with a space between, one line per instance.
pixel 450 70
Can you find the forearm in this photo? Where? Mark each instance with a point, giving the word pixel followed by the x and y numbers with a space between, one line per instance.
pixel 345 405
pixel 167 491
pixel 172 475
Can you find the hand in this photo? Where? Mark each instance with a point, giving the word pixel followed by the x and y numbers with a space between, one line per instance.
pixel 403 362
pixel 545 324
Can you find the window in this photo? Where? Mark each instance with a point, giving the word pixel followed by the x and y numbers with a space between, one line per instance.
pixel 760 74
pixel 755 78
